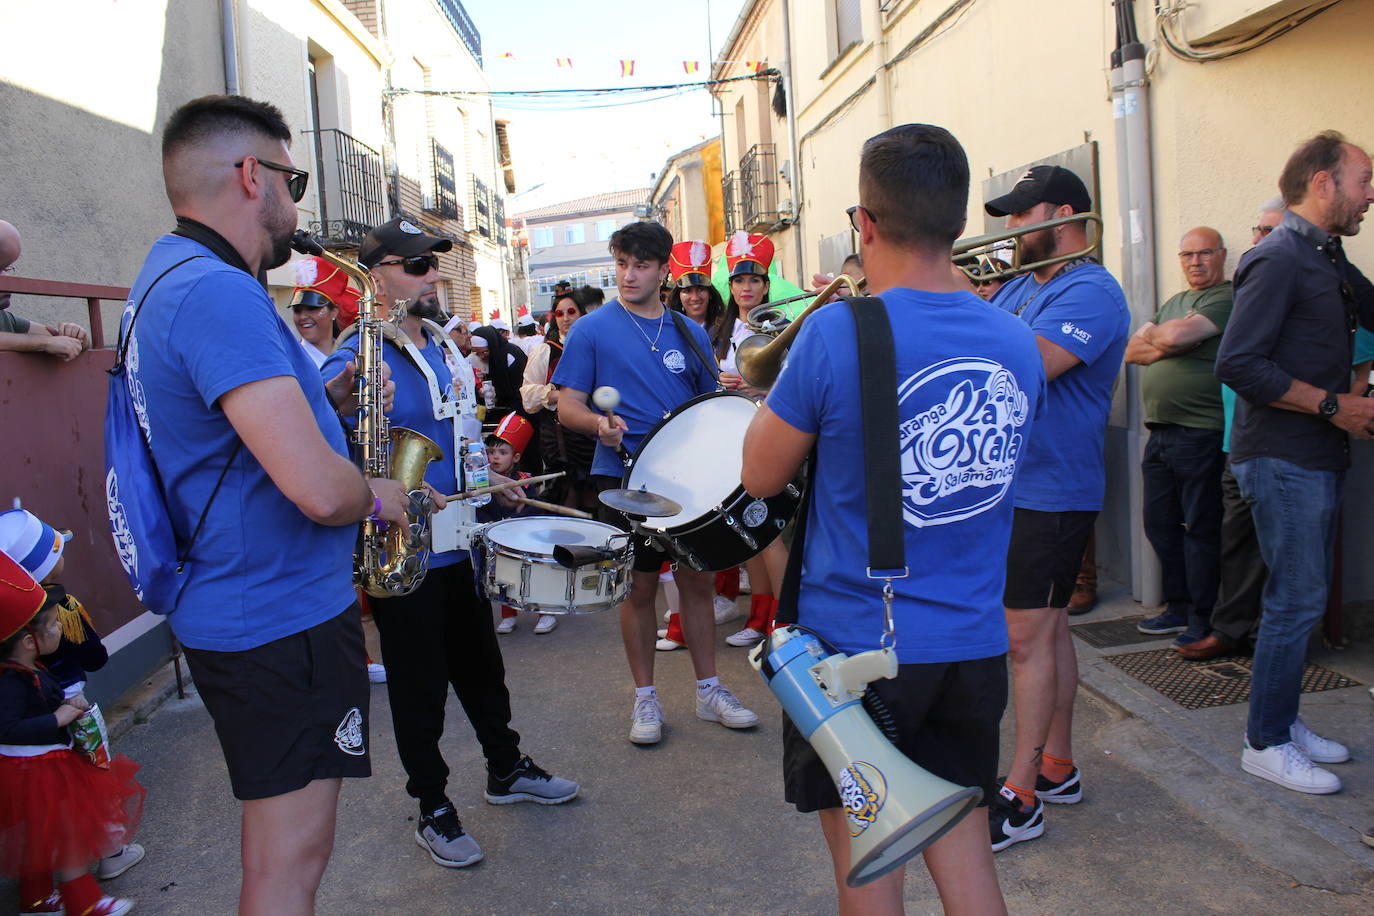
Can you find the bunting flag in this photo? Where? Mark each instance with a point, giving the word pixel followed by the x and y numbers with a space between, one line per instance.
pixel 755 66
pixel 627 68
pixel 691 66
pixel 508 56
pixel 564 61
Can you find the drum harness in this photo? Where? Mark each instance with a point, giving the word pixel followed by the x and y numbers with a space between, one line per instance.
pixel 883 488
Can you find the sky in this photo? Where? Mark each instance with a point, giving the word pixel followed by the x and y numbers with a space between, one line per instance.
pixel 562 152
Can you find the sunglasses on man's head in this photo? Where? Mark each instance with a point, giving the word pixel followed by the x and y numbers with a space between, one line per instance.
pixel 417 266
pixel 296 179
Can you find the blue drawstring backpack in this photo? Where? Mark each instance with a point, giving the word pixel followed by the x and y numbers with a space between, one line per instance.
pixel 142 527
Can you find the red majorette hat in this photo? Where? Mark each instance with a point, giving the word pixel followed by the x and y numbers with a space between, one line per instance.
pixel 689 264
pixel 748 253
pixel 516 430
pixel 320 283
pixel 21 597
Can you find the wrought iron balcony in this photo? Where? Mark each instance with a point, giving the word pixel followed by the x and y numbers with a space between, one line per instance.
pixel 445 182
pixel 462 24
pixel 349 186
pixel 730 199
pixel 758 183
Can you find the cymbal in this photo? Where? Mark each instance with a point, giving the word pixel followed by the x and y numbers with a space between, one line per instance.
pixel 640 502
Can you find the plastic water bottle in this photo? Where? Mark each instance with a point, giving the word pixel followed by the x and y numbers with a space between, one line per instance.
pixel 475 471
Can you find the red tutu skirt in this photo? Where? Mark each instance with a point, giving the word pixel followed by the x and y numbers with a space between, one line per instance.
pixel 60 811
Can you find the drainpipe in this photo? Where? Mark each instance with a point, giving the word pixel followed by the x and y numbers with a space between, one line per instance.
pixel 230 31
pixel 880 45
pixel 797 198
pixel 1131 112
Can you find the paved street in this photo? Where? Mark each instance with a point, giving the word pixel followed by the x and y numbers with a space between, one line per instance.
pixel 697 824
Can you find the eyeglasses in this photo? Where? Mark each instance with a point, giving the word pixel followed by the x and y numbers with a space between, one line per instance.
pixel 296 181
pixel 566 313
pixel 1200 253
pixel 867 212
pixel 417 266
pixel 1262 230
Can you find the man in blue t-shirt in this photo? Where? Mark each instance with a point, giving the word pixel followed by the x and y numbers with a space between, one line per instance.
pixel 637 346
pixel 1080 320
pixel 969 384
pixel 269 578
pixel 440 634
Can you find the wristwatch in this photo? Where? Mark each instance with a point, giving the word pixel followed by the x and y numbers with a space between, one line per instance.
pixel 1328 407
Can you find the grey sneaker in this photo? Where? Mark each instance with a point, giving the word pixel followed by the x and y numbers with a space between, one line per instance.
pixel 646 724
pixel 441 834
pixel 527 782
pixel 113 866
pixel 720 705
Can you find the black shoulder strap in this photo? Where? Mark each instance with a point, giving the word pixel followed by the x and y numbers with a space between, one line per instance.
pixel 681 324
pixel 882 455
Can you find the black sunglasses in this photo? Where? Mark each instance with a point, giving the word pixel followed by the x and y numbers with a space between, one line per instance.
pixel 417 266
pixel 851 210
pixel 296 181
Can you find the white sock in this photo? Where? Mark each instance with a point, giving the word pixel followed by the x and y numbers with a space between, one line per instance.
pixel 707 683
pixel 646 692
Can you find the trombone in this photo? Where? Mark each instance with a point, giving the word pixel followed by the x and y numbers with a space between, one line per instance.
pixel 759 356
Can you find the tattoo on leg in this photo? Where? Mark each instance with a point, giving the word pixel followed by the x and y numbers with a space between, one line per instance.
pixel 1039 755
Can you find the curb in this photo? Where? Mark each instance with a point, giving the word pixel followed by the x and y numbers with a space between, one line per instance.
pixel 139 702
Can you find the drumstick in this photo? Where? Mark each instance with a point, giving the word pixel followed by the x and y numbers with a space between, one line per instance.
pixel 608 399
pixel 496 487
pixel 551 507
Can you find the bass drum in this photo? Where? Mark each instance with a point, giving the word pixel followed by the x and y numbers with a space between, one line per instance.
pixel 694 457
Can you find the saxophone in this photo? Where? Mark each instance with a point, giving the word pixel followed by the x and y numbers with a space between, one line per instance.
pixel 390 560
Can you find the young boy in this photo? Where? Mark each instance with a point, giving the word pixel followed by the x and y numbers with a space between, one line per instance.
pixel 504 450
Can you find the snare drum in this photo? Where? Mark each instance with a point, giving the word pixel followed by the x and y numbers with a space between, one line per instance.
pixel 520 569
pixel 694 457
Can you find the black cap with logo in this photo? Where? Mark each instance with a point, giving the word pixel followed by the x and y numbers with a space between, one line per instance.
pixel 1042 184
pixel 398 236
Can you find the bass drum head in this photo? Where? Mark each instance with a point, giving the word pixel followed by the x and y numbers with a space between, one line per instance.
pixel 540 534
pixel 694 456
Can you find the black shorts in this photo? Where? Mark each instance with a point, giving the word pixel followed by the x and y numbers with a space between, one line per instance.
pixel 947 714
pixel 291 711
pixel 1044 557
pixel 649 556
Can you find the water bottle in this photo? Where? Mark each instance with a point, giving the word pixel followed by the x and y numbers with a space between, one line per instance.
pixel 475 472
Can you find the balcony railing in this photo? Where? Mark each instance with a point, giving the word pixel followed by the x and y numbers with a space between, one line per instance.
pixel 480 208
pixel 445 182
pixel 349 184
pixel 462 24
pixel 730 199
pixel 758 181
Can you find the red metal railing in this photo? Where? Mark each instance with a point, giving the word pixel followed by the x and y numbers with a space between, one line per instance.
pixel 61 289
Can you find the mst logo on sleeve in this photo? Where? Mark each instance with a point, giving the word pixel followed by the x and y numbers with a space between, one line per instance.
pixel 959 450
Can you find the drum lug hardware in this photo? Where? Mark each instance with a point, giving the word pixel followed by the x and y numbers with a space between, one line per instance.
pixel 744 536
pixel 792 491
pixel 696 564
pixel 525 580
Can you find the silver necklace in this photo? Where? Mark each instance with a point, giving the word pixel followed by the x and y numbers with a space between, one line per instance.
pixel 653 344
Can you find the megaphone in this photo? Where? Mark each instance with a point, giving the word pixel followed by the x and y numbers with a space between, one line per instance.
pixel 895 809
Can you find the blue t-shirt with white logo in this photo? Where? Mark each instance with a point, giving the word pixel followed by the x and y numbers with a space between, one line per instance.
pixel 260 570
pixel 970 383
pixel 1083 311
pixel 611 346
pixel 411 408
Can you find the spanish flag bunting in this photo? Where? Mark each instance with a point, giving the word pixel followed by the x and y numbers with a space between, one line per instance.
pixel 564 61
pixel 508 56
pixel 627 68
pixel 691 66
pixel 754 66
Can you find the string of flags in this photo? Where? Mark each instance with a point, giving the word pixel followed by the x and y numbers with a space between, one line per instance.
pixel 627 65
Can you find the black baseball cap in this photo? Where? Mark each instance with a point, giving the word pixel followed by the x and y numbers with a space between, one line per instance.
pixel 398 236
pixel 1042 184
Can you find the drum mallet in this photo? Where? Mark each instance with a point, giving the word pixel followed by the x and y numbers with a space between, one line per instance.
pixel 608 399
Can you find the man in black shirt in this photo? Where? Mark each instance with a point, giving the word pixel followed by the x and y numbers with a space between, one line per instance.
pixel 1287 353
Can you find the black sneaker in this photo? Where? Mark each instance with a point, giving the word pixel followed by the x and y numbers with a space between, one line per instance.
pixel 1068 792
pixel 441 834
pixel 528 782
pixel 1010 823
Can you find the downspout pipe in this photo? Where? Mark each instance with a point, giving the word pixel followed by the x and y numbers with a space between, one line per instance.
pixel 1131 112
pixel 797 197
pixel 230 34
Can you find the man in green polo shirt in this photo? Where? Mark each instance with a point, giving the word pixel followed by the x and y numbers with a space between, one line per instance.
pixel 1183 458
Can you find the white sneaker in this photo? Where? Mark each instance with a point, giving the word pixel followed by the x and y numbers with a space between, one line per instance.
pixel 646 723
pixel 726 610
pixel 746 637
pixel 1288 765
pixel 506 625
pixel 720 705
pixel 546 623
pixel 668 614
pixel 376 673
pixel 665 644
pixel 113 866
pixel 1319 749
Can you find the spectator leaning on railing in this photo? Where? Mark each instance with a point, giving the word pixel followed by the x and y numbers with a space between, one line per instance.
pixel 66 340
